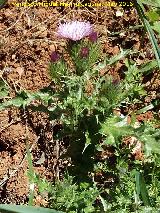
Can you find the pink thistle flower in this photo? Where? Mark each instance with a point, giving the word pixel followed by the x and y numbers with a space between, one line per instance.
pixel 75 30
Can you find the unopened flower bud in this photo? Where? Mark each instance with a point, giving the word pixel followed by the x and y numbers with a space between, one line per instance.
pixel 84 52
pixel 54 56
pixel 116 82
pixel 93 37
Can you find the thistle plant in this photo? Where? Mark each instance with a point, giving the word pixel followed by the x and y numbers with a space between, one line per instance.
pixel 84 51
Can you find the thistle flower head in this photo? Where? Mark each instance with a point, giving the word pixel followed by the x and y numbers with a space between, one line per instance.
pixel 75 30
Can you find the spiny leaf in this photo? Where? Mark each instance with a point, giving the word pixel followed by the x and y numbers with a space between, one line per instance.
pixel 3 89
pixel 145 109
pixel 149 66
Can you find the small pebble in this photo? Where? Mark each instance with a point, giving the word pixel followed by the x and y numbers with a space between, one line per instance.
pixel 119 13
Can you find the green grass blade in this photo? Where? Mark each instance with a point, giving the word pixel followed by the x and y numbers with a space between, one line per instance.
pixel 25 209
pixel 149 30
pixel 137 177
pixel 144 192
pixel 141 189
pixel 2 3
pixel 154 3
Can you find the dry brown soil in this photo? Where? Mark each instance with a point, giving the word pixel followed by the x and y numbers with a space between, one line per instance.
pixel 27 37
